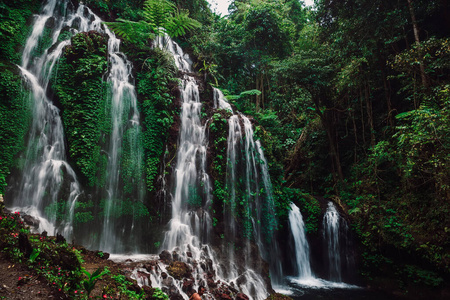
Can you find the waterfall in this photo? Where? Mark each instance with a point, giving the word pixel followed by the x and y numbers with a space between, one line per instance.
pixel 46 175
pixel 301 244
pixel 338 247
pixel 250 190
pixel 46 172
pixel 125 135
pixel 191 223
pixel 331 236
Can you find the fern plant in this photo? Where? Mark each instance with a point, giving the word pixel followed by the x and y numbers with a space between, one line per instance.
pixel 160 17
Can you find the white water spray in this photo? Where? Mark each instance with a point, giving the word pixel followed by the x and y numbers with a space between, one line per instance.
pixel 46 170
pixel 301 244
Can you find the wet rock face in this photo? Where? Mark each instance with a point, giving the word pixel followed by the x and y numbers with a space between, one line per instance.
pixel 166 257
pixel 32 221
pixel 186 277
pixel 241 296
pixel 188 287
pixel 179 270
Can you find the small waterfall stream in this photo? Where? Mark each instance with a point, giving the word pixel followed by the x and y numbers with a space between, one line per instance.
pixel 125 133
pixel 303 267
pixel 331 236
pixel 190 223
pixel 338 247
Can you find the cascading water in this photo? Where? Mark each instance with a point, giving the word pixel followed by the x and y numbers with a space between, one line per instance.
pixel 331 237
pixel 46 171
pixel 125 133
pixel 337 243
pixel 189 228
pixel 303 267
pixel 253 191
pixel 192 189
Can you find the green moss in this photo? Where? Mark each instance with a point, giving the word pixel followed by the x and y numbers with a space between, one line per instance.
pixel 14 119
pixel 82 94
pixel 153 87
pixel 14 30
pixel 14 106
pixel 308 205
pixel 126 208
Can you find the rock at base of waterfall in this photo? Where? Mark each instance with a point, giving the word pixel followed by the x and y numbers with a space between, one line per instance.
pixel 60 239
pixel 188 287
pixel 179 270
pixel 241 296
pixel 166 257
pixel 30 220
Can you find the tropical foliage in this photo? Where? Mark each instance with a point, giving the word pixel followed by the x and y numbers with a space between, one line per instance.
pixel 159 17
pixel 351 101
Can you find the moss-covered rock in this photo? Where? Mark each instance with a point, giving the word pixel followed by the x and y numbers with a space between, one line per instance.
pixel 277 296
pixel 81 91
pixel 179 270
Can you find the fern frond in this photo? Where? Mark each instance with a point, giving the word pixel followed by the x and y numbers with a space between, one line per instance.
pixel 180 23
pixel 133 32
pixel 157 12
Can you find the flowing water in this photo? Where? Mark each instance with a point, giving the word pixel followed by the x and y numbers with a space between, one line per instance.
pixel 303 267
pixel 338 254
pixel 191 224
pixel 46 172
pixel 47 177
pixel 125 137
pixel 331 222
pixel 304 284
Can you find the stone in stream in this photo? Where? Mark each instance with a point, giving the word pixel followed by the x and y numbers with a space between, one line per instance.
pixel 30 220
pixel 166 257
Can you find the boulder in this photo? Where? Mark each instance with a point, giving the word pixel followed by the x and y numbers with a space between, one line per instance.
pixel 60 239
pixel 175 256
pixel 165 256
pixel 32 221
pixel 167 282
pixel 188 287
pixel 179 270
pixel 24 245
pixel 241 296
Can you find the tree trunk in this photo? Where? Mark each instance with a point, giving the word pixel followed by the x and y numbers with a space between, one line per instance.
pixel 329 126
pixel 417 40
pixel 258 97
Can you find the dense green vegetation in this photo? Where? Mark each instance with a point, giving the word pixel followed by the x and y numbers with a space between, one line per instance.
pixel 356 94
pixel 14 108
pixel 351 101
pixel 82 92
pixel 63 266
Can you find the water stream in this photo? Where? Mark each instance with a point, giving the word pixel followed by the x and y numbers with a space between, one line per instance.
pixel 331 222
pixel 303 267
pixel 46 171
pixel 48 187
pixel 47 177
